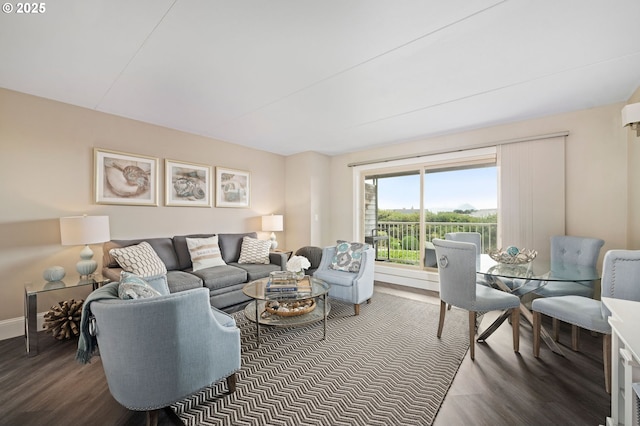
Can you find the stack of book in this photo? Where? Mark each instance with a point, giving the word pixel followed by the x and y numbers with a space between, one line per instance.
pixel 283 281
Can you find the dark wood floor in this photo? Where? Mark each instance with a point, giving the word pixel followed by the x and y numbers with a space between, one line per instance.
pixel 498 388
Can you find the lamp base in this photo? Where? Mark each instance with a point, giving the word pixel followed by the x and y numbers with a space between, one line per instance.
pixel 86 266
pixel 274 243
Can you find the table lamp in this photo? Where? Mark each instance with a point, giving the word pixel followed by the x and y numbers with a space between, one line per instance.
pixel 79 230
pixel 272 223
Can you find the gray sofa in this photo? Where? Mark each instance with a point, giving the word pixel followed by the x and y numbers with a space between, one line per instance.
pixel 224 282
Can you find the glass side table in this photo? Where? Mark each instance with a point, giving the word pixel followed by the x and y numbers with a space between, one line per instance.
pixel 31 292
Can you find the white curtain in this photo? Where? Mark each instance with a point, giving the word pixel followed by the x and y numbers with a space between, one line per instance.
pixel 532 193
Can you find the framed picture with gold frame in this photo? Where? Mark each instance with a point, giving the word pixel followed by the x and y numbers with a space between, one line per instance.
pixel 125 179
pixel 187 184
pixel 233 188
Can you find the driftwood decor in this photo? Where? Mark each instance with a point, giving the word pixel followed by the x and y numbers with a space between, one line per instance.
pixel 63 319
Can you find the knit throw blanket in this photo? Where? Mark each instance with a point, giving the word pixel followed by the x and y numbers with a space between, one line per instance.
pixel 87 343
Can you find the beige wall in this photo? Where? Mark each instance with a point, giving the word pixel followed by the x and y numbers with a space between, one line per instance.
pixel 596 169
pixel 633 160
pixel 308 200
pixel 46 172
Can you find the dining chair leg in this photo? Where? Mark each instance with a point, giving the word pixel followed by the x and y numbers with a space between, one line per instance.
pixel 575 337
pixel 443 311
pixel 556 329
pixel 537 318
pixel 515 324
pixel 606 359
pixel 472 334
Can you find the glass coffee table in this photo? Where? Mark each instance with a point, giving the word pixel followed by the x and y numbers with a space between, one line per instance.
pixel 256 310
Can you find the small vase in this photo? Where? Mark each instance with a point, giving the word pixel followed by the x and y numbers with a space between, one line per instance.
pixel 299 275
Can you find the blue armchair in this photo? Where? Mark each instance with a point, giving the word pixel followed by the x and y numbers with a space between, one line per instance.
pixel 350 287
pixel 159 350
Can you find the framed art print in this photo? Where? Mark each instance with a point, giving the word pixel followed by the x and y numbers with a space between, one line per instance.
pixel 126 179
pixel 187 184
pixel 233 188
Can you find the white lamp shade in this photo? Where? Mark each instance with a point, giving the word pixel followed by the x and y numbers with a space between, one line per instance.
pixel 80 230
pixel 272 223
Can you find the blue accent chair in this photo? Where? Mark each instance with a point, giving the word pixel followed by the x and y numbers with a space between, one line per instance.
pixel 620 273
pixel 159 350
pixel 458 287
pixel 349 287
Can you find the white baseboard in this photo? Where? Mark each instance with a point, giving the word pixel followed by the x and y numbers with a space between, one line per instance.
pixel 14 327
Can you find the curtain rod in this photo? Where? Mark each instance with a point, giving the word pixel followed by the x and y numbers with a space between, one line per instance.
pixel 478 145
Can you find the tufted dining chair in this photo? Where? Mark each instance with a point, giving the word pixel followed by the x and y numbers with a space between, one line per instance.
pixel 458 287
pixel 577 251
pixel 159 350
pixel 470 237
pixel 620 273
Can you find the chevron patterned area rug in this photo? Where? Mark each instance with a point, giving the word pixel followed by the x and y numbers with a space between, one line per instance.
pixel 383 367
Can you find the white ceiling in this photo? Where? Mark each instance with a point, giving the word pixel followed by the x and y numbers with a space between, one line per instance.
pixel 330 76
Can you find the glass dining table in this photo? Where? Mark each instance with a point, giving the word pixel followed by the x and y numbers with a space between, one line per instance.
pixel 526 278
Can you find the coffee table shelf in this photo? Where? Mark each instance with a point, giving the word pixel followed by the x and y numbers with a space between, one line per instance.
pixel 257 290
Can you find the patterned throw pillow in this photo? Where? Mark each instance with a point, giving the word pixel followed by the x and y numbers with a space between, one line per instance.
pixel 204 252
pixel 254 251
pixel 140 259
pixel 348 256
pixel 133 287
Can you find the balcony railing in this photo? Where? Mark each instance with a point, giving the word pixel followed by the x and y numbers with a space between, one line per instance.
pixel 403 244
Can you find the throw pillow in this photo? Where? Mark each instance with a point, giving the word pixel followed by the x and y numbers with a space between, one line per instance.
pixel 254 251
pixel 348 256
pixel 204 252
pixel 140 259
pixel 134 287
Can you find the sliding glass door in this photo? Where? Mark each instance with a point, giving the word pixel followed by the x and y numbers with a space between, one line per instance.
pixel 406 208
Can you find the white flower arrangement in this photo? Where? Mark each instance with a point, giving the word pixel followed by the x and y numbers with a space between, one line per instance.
pixel 298 263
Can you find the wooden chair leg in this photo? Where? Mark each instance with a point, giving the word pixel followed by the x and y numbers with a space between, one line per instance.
pixel 556 330
pixel 152 417
pixel 356 309
pixel 575 337
pixel 368 301
pixel 472 334
pixel 606 357
pixel 231 383
pixel 443 311
pixel 515 324
pixel 537 318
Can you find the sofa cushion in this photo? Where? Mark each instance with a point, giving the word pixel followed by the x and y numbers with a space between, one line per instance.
pixel 254 250
pixel 348 256
pixel 204 252
pixel 255 271
pixel 162 246
pixel 182 250
pixel 221 276
pixel 181 281
pixel 230 245
pixel 140 259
